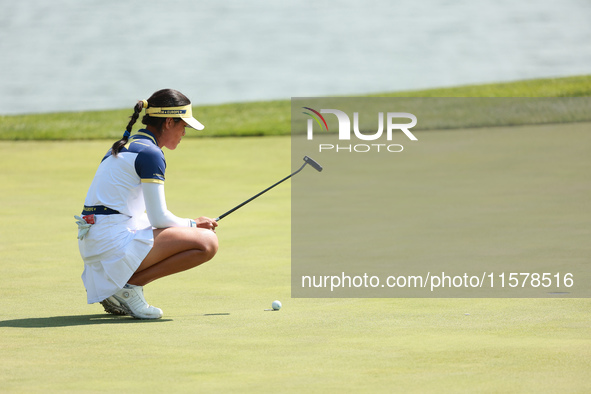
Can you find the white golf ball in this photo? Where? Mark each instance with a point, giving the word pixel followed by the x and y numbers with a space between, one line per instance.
pixel 276 305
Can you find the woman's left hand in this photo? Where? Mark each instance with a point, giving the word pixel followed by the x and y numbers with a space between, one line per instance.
pixel 205 222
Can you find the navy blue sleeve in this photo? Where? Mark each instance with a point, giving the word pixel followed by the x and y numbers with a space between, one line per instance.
pixel 150 165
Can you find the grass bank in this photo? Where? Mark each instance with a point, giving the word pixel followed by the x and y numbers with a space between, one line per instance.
pixel 257 118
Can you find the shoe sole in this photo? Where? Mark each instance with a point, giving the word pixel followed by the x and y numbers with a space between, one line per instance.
pixel 112 308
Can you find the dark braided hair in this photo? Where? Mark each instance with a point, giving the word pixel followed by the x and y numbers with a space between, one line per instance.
pixel 118 145
pixel 161 98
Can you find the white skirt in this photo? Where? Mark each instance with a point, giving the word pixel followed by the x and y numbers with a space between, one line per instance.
pixel 112 250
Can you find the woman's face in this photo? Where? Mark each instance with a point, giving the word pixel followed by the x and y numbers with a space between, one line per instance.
pixel 172 133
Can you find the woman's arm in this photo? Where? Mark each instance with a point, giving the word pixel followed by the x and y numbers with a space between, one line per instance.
pixel 158 213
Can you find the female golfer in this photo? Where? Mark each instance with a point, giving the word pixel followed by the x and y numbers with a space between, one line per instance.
pixel 127 236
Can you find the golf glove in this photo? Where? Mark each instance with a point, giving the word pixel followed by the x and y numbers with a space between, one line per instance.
pixel 83 226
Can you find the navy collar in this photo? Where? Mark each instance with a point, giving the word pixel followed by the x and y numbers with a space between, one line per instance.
pixel 146 134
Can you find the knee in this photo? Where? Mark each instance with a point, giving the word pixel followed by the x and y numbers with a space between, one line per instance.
pixel 209 243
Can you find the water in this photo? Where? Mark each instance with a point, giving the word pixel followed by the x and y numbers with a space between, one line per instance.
pixel 69 55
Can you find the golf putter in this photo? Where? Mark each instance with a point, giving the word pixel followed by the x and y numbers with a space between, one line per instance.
pixel 307 160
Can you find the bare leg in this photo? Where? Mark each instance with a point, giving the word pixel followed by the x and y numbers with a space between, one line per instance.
pixel 175 249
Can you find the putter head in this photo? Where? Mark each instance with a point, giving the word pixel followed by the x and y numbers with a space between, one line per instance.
pixel 311 161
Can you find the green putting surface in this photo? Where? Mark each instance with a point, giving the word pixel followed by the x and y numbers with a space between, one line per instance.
pixel 216 335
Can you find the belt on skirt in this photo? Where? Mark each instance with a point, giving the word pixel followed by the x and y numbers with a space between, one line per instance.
pixel 98 210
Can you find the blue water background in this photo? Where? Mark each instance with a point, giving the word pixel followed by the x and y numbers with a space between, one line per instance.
pixel 70 55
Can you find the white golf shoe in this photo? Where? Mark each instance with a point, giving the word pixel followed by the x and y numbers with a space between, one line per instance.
pixel 132 301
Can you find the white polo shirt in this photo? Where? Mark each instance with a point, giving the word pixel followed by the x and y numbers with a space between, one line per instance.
pixel 117 183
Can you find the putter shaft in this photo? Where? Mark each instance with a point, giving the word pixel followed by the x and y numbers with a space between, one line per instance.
pixel 257 195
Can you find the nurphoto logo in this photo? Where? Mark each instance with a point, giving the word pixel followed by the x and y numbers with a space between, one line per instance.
pixel 344 130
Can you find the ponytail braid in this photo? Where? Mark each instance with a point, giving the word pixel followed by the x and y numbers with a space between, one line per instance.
pixel 118 145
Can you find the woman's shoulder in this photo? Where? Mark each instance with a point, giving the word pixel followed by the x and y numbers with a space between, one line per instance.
pixel 144 143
